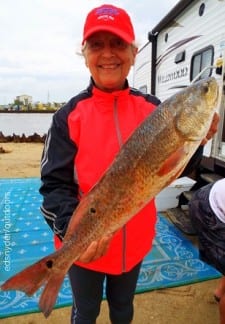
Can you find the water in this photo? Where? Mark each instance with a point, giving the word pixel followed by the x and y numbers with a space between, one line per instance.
pixel 25 123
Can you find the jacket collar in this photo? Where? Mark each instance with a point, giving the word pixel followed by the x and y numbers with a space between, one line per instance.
pixel 108 95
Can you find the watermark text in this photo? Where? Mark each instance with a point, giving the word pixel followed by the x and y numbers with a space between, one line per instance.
pixel 7 244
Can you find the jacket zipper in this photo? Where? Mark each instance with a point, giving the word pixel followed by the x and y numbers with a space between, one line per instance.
pixel 120 141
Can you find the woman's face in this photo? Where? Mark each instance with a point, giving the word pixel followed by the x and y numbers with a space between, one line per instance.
pixel 109 59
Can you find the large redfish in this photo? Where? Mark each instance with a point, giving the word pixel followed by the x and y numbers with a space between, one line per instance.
pixel 154 155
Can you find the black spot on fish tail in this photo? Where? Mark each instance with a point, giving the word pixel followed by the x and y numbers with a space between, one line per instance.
pixel 49 264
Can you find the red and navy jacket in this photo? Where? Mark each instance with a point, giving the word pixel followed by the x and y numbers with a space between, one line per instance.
pixel 82 141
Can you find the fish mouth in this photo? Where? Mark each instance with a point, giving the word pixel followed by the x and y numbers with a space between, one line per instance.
pixel 210 87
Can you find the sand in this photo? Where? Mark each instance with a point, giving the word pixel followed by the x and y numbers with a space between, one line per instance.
pixel 181 305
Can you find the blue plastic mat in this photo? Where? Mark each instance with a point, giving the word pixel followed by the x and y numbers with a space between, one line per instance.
pixel 25 238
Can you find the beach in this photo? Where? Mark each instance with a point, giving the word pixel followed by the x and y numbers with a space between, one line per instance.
pixel 21 160
pixel 185 304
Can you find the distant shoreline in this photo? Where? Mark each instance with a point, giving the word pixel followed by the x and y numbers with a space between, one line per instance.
pixel 28 111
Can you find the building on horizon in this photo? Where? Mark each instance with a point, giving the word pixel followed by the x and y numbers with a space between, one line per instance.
pixel 25 99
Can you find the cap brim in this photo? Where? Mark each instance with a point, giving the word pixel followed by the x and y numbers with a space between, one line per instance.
pixel 112 30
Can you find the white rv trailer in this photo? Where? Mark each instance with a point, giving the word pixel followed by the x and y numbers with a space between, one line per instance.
pixel 186 45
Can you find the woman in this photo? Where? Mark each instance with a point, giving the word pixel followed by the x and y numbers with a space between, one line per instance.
pixel 83 140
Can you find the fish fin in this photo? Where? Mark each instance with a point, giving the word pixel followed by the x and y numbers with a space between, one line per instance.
pixel 30 279
pixel 50 293
pixel 170 163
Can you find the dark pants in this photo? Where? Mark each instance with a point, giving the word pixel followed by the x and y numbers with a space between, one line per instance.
pixel 87 288
pixel 210 230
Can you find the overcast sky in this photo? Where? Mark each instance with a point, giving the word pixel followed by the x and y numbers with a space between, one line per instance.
pixel 39 40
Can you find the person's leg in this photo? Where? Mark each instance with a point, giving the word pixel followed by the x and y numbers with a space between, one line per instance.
pixel 120 291
pixel 87 288
pixel 210 230
pixel 211 234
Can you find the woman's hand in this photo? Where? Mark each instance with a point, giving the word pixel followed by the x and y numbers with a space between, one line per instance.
pixel 96 249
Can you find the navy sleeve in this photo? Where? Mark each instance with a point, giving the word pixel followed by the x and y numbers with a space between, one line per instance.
pixel 59 188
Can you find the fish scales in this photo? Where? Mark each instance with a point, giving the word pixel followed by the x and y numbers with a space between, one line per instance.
pixel 153 156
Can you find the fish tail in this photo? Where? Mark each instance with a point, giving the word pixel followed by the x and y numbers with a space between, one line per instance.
pixel 41 273
pixel 31 278
pixel 50 293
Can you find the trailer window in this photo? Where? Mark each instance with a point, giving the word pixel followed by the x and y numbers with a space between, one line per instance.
pixel 201 60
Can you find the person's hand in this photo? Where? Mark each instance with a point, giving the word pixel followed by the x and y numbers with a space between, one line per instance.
pixel 96 249
pixel 212 130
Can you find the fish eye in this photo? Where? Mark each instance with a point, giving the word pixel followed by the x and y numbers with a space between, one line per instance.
pixel 205 87
pixel 92 210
